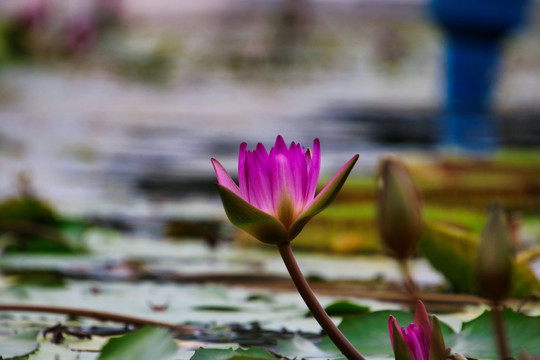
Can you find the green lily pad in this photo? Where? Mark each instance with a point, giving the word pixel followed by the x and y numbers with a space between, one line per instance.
pixel 225 308
pixel 300 347
pixel 369 332
pixel 49 351
pixel 344 308
pixel 253 353
pixel 143 344
pixel 476 337
pixel 19 345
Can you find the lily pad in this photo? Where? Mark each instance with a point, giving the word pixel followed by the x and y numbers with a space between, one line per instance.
pixel 301 347
pixel 346 308
pixel 253 353
pixel 49 351
pixel 476 337
pixel 146 343
pixel 224 308
pixel 19 345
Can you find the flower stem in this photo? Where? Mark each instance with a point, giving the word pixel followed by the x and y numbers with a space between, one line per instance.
pixel 500 332
pixel 408 282
pixel 313 304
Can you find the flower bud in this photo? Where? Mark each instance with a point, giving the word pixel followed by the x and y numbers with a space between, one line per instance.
pixel 399 209
pixel 494 260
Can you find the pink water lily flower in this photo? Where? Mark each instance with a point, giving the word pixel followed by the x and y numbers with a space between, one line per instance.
pixel 275 196
pixel 421 340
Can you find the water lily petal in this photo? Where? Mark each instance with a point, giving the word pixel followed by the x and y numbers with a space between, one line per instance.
pixel 224 179
pixel 258 182
pixel 324 198
pixel 314 164
pixel 421 319
pixel 413 338
pixel 281 179
pixel 261 225
pixel 242 177
pixel 299 173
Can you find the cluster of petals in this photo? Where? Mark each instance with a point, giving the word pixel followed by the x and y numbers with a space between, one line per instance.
pixel 276 189
pixel 283 178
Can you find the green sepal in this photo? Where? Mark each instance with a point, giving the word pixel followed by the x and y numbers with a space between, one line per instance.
pixel 324 198
pixel 437 349
pixel 257 223
pixel 401 349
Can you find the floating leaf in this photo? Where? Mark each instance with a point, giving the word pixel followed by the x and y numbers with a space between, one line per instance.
pixel 346 308
pixel 143 344
pixel 225 308
pixel 49 351
pixel 253 353
pixel 300 347
pixel 18 345
pixel 476 337
pixel 369 332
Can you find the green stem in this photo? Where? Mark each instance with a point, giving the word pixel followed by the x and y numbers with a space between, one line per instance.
pixel 500 332
pixel 313 304
pixel 408 280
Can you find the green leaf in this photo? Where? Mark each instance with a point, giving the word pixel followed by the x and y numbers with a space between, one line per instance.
pixel 369 332
pixel 259 224
pixel 19 345
pixel 299 347
pixel 253 353
pixel 49 351
pixel 443 241
pixel 223 308
pixel 323 198
pixel 143 344
pixel 346 308
pixel 476 337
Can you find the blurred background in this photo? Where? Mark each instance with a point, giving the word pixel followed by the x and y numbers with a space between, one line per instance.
pixel 110 111
pixel 118 105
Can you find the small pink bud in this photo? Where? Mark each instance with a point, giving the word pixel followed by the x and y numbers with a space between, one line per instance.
pixel 421 340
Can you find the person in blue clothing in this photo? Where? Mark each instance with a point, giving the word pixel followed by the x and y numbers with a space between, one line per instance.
pixel 474 31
